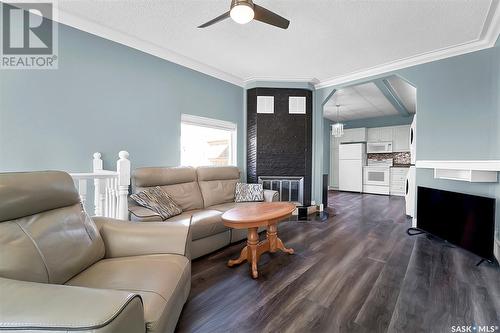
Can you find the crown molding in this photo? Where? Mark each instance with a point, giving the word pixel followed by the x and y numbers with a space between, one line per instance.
pixel 144 46
pixel 280 82
pixel 280 79
pixel 487 39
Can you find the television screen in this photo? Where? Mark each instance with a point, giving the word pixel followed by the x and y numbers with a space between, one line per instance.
pixel 462 219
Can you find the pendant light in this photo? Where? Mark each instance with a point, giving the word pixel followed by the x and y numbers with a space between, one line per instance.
pixel 338 127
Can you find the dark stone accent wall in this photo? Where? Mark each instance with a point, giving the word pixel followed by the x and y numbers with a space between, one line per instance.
pixel 279 144
pixel 252 136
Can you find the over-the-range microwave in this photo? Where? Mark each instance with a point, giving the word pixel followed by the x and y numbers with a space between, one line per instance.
pixel 379 147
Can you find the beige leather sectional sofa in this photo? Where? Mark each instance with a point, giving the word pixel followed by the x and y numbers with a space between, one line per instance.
pixel 63 271
pixel 204 193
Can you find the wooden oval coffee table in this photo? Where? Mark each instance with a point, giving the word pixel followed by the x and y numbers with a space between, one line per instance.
pixel 252 216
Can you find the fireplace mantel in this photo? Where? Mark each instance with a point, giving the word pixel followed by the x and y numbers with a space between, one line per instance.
pixel 485 171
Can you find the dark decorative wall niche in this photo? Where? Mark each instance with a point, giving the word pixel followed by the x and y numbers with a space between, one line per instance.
pixel 279 144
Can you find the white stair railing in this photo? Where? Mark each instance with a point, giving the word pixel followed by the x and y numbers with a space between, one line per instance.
pixel 110 187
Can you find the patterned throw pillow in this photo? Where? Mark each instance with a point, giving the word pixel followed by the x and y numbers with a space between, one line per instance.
pixel 248 192
pixel 159 201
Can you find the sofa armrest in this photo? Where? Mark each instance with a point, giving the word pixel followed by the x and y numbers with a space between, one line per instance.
pixel 125 238
pixel 48 307
pixel 142 214
pixel 271 195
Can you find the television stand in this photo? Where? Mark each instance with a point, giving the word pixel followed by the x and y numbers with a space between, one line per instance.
pixel 414 231
pixel 483 260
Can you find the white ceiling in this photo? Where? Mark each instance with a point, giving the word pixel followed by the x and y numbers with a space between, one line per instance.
pixel 328 41
pixel 367 101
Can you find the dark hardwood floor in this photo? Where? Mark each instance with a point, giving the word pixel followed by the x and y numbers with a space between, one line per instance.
pixel 356 272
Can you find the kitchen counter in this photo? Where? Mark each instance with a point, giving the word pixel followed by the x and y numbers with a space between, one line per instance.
pixel 401 166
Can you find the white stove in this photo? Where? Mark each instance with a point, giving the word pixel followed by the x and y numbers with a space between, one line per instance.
pixel 386 162
pixel 376 176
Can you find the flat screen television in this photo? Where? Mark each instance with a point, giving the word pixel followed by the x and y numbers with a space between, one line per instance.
pixel 465 220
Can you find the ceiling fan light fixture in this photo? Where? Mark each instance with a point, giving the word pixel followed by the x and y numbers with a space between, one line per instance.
pixel 242 13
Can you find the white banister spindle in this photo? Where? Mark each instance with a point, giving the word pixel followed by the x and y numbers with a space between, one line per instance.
pixel 82 190
pixel 112 191
pixel 98 187
pixel 123 169
pixel 107 210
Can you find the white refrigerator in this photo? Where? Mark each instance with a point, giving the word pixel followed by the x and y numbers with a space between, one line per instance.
pixel 352 158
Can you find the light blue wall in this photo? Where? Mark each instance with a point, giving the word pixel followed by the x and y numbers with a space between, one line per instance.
pixel 105 97
pixel 458 116
pixel 327 132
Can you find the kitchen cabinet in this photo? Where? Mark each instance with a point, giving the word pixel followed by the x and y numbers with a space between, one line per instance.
pixel 401 138
pixel 353 135
pixel 398 135
pixel 378 134
pixel 398 181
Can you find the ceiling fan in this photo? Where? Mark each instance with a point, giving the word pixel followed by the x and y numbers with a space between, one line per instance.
pixel 244 11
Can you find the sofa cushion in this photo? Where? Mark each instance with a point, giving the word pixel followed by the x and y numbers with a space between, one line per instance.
pixel 227 206
pixel 43 307
pixel 45 235
pixel 207 223
pixel 217 184
pixel 29 193
pixel 162 280
pixel 159 201
pixel 180 183
pixel 187 195
pixel 148 177
pixel 49 247
pixel 184 215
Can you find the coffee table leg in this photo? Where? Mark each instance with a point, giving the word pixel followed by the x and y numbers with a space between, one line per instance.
pixel 243 257
pixel 254 249
pixel 250 253
pixel 282 247
pixel 275 243
pixel 253 256
pixel 272 237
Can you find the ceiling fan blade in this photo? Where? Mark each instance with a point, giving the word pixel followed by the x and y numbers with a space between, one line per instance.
pixel 267 16
pixel 215 20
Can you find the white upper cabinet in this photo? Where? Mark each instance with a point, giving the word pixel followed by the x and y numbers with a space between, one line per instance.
pixel 386 134
pixel 378 134
pixel 398 135
pixel 354 135
pixel 373 134
pixel 401 138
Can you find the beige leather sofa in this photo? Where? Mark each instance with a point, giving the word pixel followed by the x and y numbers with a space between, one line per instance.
pixel 63 271
pixel 204 193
